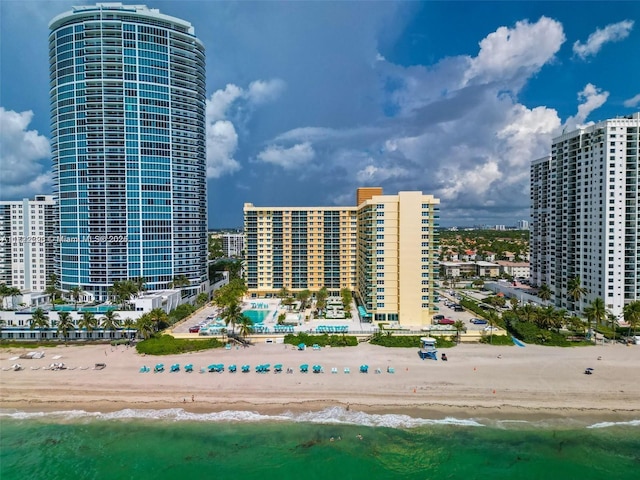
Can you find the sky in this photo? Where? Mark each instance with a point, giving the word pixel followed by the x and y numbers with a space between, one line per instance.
pixel 306 101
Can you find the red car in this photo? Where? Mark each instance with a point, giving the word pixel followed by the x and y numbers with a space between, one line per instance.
pixel 446 321
pixel 194 329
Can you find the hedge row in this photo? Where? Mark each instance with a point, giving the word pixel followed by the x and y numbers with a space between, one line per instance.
pixel 168 345
pixel 407 341
pixel 321 340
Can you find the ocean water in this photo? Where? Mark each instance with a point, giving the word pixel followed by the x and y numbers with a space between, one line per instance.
pixel 168 444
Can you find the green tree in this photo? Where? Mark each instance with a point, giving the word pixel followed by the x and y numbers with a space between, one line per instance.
pixel 632 316
pixel 88 322
pixel 215 247
pixel 595 313
pixel 40 320
pixel 546 317
pixel 180 281
pixel 492 319
pixel 321 299
pixel 110 321
pixel 575 290
pixel 347 298
pixel 303 297
pixel 528 312
pixel 544 292
pixel 145 326
pixel 245 326
pixel 65 325
pixel 202 299
pixel 460 327
pixel 122 291
pixel 141 284
pixel 53 287
pixel 6 291
pixel 128 325
pixel 159 319
pixel 76 293
pixel 232 315
pixel 612 320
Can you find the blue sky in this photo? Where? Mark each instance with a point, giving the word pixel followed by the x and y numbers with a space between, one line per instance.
pixel 306 101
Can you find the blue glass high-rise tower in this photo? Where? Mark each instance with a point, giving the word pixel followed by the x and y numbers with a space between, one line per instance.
pixel 128 147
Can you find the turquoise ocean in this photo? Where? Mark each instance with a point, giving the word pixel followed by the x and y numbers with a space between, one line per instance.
pixel 175 444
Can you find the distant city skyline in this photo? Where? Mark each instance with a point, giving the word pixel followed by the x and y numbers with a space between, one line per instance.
pixel 302 107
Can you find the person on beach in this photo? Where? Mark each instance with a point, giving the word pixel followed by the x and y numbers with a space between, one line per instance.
pixel 193 398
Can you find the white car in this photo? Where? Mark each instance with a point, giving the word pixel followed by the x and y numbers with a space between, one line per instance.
pixel 491 329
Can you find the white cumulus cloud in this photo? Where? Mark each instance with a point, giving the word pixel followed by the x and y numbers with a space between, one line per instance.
pixel 226 105
pixel 21 154
pixel 288 158
pixel 613 32
pixel 514 52
pixel 632 102
pixel 592 98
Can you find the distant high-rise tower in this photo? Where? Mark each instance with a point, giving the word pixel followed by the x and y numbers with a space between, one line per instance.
pixel 585 205
pixel 27 242
pixel 128 147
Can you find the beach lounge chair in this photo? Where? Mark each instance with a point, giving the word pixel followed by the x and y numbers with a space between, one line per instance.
pixel 316 346
pixel 334 370
pixel 227 346
pixel 158 368
pixel 378 370
pixel 301 346
pixel 391 370
pixel 203 370
pixel 232 368
pixel 144 369
pixel 347 370
pixel 188 367
pixel 304 368
pixel 364 368
pixel 317 369
pixel 175 367
pixel 246 368
pixel 277 368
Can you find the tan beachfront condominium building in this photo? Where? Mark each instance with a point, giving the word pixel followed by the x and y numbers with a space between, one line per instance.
pixel 384 249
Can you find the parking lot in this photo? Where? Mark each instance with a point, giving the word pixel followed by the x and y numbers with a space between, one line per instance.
pixel 449 312
pixel 196 319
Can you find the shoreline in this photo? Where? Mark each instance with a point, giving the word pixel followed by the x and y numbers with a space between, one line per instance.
pixel 479 381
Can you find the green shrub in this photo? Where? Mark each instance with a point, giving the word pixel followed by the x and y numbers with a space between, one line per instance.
pixel 531 333
pixel 181 312
pixel 168 345
pixel 497 340
pixel 322 340
pixel 407 341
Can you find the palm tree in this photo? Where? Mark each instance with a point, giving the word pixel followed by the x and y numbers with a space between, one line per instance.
pixel 140 284
pixel 144 325
pixel 575 290
pixel 159 319
pixel 347 297
pixel 232 314
pixel 595 313
pixel 180 281
pixel 492 319
pixel 6 291
pixel 65 324
pixel 53 287
pixel 546 317
pixel 110 321
pixel 460 327
pixel 246 326
pixel 544 293
pixel 76 293
pixel 39 320
pixel 613 321
pixel 128 325
pixel 632 315
pixel 321 298
pixel 303 296
pixel 527 311
pixel 89 322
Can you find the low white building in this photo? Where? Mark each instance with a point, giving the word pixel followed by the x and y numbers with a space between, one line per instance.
pixel 515 269
pixel 166 300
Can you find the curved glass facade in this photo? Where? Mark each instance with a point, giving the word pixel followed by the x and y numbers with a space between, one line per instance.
pixel 127 90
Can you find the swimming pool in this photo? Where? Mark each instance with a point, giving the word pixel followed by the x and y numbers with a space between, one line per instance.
pixel 98 309
pixel 256 316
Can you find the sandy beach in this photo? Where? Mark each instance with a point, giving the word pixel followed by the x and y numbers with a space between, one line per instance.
pixel 477 380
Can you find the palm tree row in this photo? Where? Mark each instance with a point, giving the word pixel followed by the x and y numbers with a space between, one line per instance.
pixel 229 299
pixel 122 291
pixel 6 291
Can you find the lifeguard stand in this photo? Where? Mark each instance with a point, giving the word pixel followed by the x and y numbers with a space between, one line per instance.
pixel 428 348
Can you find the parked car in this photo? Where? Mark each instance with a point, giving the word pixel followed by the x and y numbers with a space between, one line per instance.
pixel 195 329
pixel 478 321
pixel 445 321
pixel 438 317
pixel 491 329
pixel 458 308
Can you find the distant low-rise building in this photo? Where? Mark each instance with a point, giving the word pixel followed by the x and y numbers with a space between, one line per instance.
pixel 514 269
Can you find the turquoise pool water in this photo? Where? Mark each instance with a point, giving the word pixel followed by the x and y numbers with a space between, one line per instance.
pixel 98 309
pixel 256 316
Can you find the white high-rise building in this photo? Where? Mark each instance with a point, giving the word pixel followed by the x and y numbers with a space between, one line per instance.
pixel 233 244
pixel 27 242
pixel 585 208
pixel 523 225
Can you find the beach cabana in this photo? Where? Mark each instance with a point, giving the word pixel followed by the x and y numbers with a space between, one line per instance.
pixel 158 368
pixel 175 367
pixel 246 369
pixel 232 368
pixel 304 368
pixel 301 346
pixel 364 368
pixel 188 367
pixel 277 368
pixel 317 369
